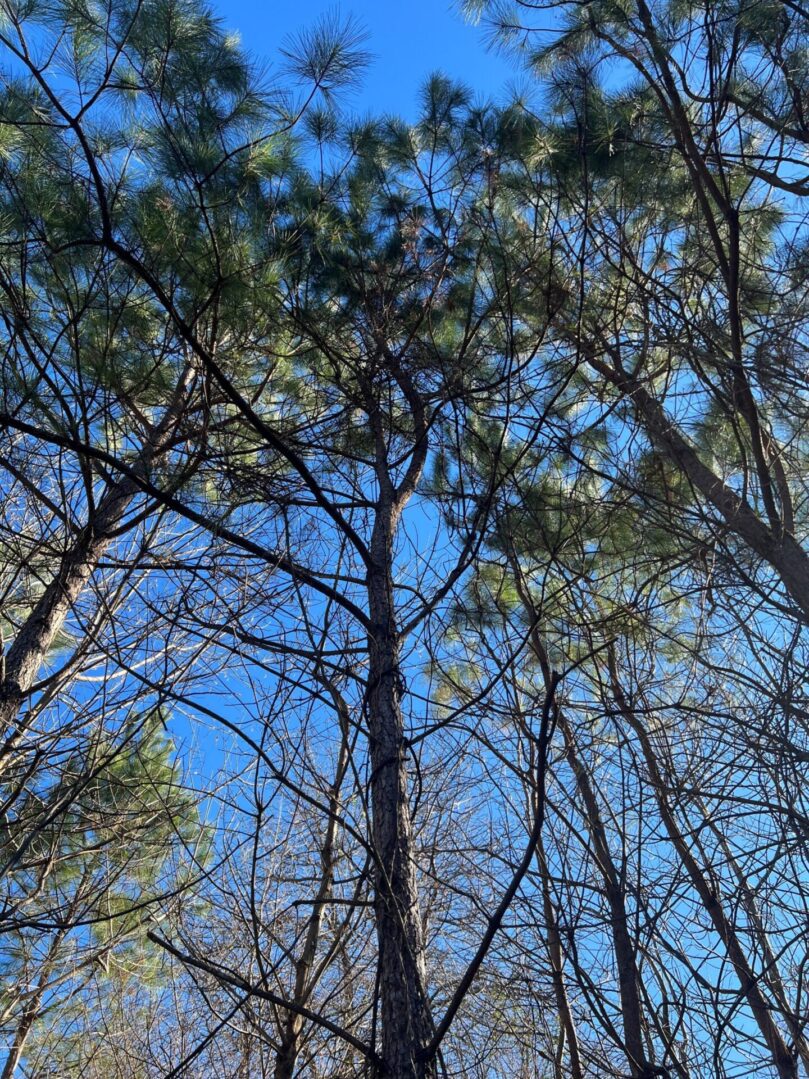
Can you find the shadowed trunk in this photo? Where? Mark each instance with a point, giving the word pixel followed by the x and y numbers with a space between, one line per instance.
pixel 406 1020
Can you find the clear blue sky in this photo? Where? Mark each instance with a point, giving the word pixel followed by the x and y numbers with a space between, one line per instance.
pixel 409 39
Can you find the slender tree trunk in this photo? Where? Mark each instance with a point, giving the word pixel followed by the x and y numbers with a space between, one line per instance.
pixel 625 960
pixel 405 1012
pixel 784 1061
pixel 287 1056
pixel 624 951
pixel 24 658
pixel 567 1023
pixel 781 551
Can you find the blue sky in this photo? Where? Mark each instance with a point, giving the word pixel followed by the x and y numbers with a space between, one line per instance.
pixel 409 40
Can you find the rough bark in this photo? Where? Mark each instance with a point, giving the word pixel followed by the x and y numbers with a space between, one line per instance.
pixel 404 1008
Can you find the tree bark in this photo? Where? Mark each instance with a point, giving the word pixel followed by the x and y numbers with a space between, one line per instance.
pixel 405 1013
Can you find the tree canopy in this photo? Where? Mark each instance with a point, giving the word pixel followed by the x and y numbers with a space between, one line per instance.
pixel 404 550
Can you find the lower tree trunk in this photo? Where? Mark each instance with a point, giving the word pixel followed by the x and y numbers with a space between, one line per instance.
pixel 287 1055
pixel 567 1024
pixel 404 1009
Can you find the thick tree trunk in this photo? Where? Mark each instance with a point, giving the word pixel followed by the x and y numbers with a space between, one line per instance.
pixel 405 1013
pixel 287 1056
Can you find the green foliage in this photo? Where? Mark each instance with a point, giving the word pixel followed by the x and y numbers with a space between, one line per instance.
pixel 92 856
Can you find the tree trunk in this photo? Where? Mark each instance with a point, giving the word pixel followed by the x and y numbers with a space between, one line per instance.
pixel 405 1013
pixel 784 1061
pixel 28 651
pixel 567 1024
pixel 287 1056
